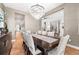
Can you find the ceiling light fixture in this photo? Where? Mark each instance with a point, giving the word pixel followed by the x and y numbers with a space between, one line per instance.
pixel 37 11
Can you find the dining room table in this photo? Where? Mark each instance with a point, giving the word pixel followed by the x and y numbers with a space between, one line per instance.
pixel 45 43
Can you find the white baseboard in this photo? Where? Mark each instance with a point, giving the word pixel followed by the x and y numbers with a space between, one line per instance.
pixel 72 46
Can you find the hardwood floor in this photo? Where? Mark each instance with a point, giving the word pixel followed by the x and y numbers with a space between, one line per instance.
pixel 17 48
pixel 71 51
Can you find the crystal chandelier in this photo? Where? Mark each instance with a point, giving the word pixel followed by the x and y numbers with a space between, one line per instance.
pixel 37 11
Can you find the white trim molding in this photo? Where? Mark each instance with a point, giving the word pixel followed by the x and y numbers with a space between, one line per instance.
pixel 72 46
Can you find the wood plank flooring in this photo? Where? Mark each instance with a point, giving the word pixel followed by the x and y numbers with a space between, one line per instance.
pixel 17 48
pixel 71 51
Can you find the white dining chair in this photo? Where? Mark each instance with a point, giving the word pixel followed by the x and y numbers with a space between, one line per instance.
pixel 44 32
pixel 50 34
pixel 39 32
pixel 60 49
pixel 25 39
pixel 30 43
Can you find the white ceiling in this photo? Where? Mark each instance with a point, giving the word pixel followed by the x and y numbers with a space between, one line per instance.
pixel 26 6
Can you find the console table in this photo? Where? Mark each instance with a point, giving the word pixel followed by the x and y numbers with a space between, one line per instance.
pixel 5 44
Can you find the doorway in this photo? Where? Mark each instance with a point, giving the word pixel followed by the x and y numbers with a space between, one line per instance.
pixel 19 22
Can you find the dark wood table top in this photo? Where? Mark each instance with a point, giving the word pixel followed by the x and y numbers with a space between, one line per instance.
pixel 45 38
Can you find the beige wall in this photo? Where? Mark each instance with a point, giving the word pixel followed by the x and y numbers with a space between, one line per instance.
pixel 30 23
pixel 2 6
pixel 71 20
pixel 10 21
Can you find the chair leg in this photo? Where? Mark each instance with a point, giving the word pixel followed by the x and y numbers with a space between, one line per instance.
pixel 45 52
pixel 28 52
pixel 26 49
